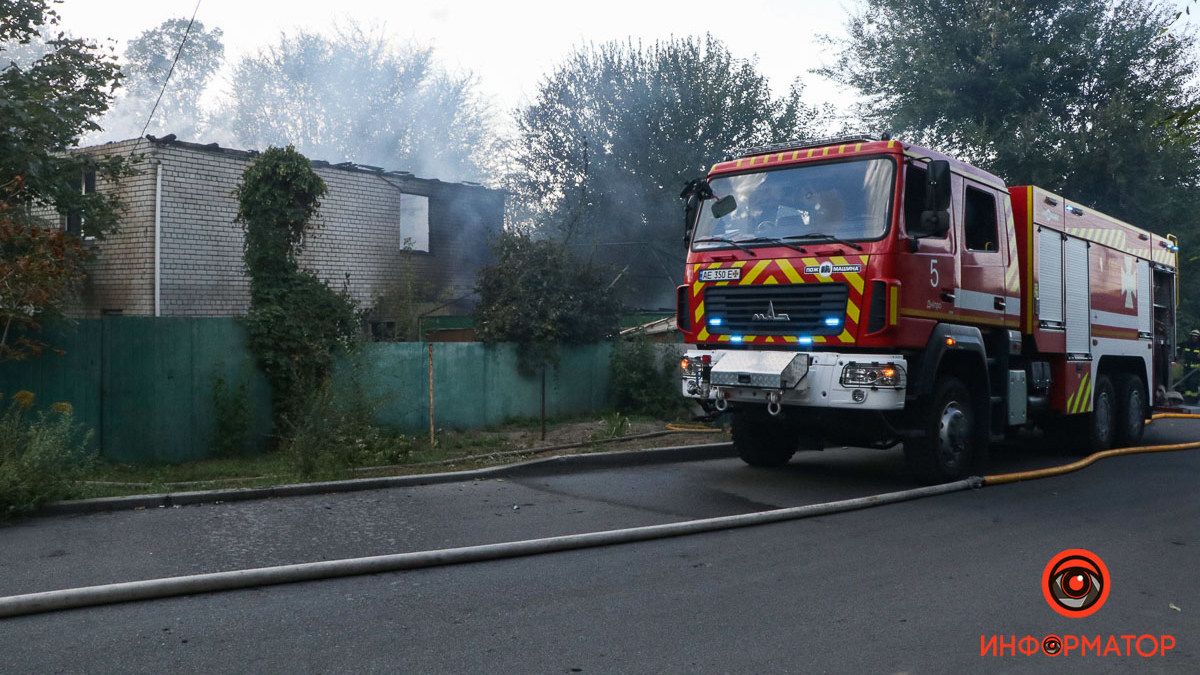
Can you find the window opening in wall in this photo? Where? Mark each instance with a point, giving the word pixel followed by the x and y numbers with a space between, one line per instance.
pixel 74 221
pixel 414 222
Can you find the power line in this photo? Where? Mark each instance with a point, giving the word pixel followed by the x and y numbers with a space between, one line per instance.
pixel 171 71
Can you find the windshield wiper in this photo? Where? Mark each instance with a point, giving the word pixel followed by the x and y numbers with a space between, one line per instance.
pixel 826 237
pixel 774 240
pixel 726 240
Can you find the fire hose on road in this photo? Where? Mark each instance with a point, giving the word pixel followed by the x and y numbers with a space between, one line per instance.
pixel 1002 478
pixel 33 603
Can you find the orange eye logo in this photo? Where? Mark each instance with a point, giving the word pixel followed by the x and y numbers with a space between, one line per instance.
pixel 1075 583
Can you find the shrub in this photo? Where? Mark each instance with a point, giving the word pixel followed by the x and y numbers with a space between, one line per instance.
pixel 41 454
pixel 335 432
pixel 644 383
pixel 540 295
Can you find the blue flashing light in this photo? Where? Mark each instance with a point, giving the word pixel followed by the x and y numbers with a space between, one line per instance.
pixel 833 320
pixel 804 340
pixel 735 338
pixel 715 321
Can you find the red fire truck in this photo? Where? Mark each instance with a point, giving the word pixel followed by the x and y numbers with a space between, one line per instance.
pixel 864 291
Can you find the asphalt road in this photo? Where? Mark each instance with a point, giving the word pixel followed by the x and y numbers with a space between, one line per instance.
pixel 907 587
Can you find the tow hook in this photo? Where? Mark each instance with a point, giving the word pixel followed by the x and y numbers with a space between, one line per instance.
pixel 721 403
pixel 773 406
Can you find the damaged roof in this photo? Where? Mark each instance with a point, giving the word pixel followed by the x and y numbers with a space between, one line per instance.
pixel 172 140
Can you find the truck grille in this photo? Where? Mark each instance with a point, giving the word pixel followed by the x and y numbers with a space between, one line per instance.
pixel 806 306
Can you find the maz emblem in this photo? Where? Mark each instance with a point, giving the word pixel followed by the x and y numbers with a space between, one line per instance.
pixel 771 315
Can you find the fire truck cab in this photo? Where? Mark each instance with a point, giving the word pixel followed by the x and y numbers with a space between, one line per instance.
pixel 863 291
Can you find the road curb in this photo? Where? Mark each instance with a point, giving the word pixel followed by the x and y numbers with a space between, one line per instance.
pixel 533 467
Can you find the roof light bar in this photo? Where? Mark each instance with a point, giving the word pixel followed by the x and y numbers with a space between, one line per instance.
pixel 799 144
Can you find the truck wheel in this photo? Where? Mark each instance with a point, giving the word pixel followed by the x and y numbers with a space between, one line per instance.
pixel 946 449
pixel 1131 410
pixel 1101 422
pixel 762 440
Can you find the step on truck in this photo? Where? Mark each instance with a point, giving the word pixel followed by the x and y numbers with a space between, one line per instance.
pixel 863 291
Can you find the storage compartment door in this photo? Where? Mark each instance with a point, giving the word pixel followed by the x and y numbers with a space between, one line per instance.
pixel 1050 277
pixel 1077 285
pixel 1144 300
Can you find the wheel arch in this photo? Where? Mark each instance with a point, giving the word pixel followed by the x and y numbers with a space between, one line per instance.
pixel 951 347
pixel 1113 365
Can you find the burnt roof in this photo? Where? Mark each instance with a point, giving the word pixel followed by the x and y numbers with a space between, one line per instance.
pixel 172 140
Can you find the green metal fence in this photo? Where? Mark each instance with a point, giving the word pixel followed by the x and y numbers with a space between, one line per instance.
pixel 146 384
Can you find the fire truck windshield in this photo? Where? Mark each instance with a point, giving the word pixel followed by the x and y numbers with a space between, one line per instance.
pixel 839 200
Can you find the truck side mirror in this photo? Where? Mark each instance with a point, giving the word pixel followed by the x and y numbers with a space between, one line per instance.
pixel 935 219
pixel 937 186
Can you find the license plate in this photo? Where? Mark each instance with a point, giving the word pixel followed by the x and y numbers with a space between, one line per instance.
pixel 721 274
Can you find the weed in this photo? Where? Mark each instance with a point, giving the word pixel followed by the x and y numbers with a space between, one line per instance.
pixel 615 425
pixel 643 382
pixel 41 454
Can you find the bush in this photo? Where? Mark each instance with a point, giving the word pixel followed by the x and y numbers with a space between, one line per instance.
pixel 644 383
pixel 540 295
pixel 41 454
pixel 336 432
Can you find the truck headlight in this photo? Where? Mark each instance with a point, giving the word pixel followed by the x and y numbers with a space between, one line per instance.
pixel 886 375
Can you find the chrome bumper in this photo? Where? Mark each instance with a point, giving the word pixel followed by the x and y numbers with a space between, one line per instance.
pixel 790 378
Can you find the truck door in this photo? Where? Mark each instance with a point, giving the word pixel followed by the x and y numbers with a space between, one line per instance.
pixel 930 274
pixel 981 297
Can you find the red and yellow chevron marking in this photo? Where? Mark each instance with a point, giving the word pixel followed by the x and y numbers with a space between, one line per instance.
pixel 769 271
pixel 1081 400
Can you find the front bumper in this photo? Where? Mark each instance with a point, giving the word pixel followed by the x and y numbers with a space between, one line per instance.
pixel 789 378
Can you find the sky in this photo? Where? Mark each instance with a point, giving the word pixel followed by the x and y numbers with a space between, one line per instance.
pixel 508 45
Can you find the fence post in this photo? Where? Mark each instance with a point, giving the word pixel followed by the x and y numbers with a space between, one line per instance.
pixel 432 434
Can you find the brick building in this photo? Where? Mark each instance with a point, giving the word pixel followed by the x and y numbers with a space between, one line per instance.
pixel 178 249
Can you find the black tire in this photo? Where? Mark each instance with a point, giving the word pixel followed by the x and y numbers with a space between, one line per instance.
pixel 762 440
pixel 1131 410
pixel 947 448
pixel 1101 422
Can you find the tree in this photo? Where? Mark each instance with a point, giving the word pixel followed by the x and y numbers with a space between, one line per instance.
pixel 541 296
pixel 353 96
pixel 147 62
pixel 40 267
pixel 1068 95
pixel 50 94
pixel 617 129
pixel 296 322
pixel 47 105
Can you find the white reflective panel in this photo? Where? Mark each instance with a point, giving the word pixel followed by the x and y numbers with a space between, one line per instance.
pixel 1050 275
pixel 1078 296
pixel 1145 303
